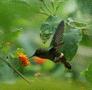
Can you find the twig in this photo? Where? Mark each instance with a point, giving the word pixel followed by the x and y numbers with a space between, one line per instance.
pixel 15 70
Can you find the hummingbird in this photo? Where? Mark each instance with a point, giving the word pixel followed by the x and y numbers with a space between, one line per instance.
pixel 53 53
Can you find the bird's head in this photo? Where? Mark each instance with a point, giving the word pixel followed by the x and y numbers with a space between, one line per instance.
pixel 37 57
pixel 37 53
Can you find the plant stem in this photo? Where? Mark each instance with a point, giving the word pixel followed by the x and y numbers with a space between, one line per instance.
pixel 15 70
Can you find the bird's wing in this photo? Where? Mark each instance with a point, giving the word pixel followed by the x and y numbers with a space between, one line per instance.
pixel 58 36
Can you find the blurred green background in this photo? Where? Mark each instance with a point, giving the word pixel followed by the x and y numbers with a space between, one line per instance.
pixel 26 25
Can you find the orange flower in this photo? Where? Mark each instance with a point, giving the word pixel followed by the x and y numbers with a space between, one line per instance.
pixel 39 60
pixel 24 59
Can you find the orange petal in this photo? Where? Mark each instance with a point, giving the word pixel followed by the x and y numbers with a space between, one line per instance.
pixel 24 59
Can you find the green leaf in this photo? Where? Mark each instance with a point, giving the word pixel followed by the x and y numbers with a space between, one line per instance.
pixel 88 73
pixel 48 27
pixel 71 40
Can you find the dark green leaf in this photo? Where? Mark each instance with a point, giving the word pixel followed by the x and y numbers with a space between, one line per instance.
pixel 71 41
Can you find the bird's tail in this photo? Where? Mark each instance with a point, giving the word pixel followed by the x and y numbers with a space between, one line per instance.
pixel 67 65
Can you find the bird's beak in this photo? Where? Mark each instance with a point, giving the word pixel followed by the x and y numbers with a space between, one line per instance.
pixel 32 56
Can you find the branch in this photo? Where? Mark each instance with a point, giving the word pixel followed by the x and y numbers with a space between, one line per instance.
pixel 15 70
